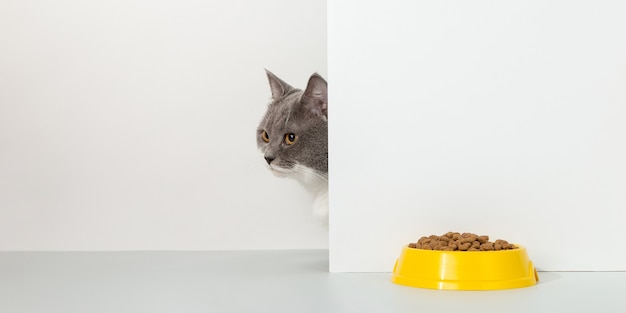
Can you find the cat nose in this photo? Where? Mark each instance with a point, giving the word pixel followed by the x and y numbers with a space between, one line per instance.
pixel 269 159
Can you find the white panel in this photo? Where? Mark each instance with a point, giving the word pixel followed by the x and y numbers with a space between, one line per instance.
pixel 505 118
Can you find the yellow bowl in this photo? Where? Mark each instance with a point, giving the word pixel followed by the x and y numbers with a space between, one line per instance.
pixel 464 270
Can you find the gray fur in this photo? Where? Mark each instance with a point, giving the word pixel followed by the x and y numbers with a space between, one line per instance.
pixel 303 113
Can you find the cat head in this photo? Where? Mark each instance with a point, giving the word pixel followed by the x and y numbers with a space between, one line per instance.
pixel 293 134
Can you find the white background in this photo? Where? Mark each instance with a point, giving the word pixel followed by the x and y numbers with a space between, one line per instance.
pixel 130 125
pixel 505 118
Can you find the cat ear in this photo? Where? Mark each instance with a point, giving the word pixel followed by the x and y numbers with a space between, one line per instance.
pixel 316 95
pixel 279 88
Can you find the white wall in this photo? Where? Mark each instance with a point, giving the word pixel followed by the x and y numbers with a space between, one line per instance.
pixel 131 124
pixel 505 118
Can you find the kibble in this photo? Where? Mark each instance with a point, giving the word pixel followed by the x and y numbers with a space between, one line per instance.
pixel 453 241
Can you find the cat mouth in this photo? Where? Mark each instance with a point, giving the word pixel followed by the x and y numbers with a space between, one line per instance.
pixel 280 171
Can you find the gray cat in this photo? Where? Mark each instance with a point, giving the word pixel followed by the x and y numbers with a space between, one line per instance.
pixel 293 136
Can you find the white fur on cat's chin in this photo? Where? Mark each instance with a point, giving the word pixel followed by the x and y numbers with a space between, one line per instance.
pixel 279 171
pixel 314 182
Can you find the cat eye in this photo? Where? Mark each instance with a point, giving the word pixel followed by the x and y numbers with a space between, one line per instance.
pixel 290 138
pixel 265 136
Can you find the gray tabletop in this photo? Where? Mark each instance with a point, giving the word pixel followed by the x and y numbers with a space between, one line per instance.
pixel 264 281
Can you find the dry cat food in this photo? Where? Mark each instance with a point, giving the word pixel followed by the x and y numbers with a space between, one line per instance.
pixel 452 241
